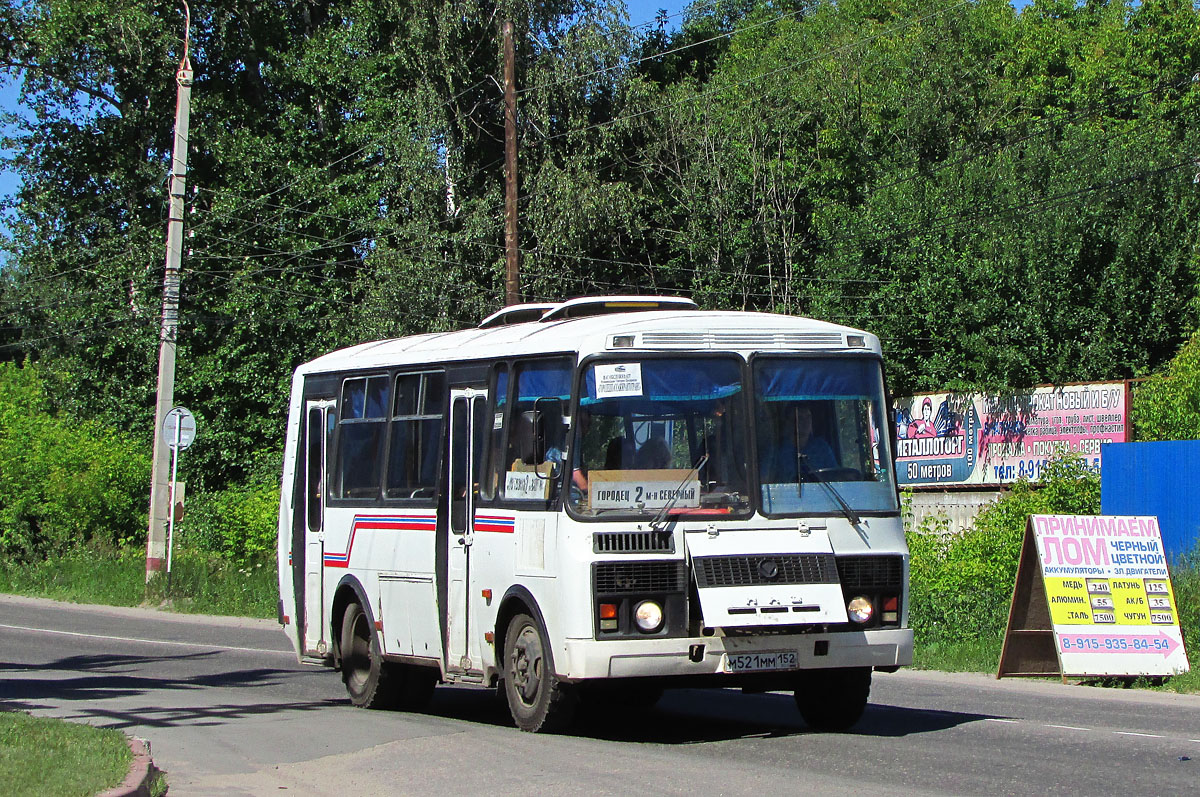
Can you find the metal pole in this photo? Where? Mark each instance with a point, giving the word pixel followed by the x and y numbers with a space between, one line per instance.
pixel 159 497
pixel 512 283
pixel 174 481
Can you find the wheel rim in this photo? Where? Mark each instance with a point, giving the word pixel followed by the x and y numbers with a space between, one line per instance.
pixel 357 661
pixel 526 665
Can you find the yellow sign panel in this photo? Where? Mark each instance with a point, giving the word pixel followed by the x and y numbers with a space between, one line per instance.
pixel 1110 601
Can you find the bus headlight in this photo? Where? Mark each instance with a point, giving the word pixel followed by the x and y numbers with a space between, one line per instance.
pixel 649 616
pixel 860 610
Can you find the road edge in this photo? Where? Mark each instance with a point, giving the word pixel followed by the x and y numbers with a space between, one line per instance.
pixel 183 618
pixel 141 773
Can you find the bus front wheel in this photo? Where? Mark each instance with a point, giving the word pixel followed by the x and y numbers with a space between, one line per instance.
pixel 537 700
pixel 833 700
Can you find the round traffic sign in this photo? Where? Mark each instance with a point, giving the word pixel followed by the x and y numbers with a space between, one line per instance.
pixel 179 428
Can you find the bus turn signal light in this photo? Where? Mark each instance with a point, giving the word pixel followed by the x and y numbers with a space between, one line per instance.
pixel 891 610
pixel 608 617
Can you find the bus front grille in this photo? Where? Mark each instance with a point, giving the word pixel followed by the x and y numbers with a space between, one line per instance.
pixel 870 572
pixel 617 578
pixel 748 571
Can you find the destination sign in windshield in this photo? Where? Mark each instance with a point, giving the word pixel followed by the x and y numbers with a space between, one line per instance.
pixel 643 489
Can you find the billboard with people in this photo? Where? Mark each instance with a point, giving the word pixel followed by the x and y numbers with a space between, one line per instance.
pixel 980 439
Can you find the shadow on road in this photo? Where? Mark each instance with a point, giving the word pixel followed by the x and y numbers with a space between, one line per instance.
pixel 700 716
pixel 101 678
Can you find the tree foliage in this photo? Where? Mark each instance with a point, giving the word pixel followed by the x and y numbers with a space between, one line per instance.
pixel 1007 199
pixel 1167 405
pixel 64 482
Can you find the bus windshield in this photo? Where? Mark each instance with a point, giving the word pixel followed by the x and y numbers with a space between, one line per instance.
pixel 821 430
pixel 661 437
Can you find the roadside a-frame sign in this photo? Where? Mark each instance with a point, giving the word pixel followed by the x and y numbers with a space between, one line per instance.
pixel 1092 597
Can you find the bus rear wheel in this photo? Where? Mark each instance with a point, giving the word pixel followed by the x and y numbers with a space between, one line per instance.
pixel 537 700
pixel 833 700
pixel 370 681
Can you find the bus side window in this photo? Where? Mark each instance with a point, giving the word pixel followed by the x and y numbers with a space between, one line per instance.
pixel 314 469
pixel 361 426
pixel 417 416
pixel 536 434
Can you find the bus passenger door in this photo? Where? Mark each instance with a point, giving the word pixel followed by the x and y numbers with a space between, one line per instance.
pixel 467 431
pixel 317 420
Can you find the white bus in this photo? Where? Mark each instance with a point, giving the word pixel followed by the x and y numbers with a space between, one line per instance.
pixel 595 500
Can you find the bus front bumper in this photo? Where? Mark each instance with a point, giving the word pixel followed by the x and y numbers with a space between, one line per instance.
pixel 691 656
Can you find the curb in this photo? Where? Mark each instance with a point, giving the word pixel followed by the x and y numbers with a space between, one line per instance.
pixel 141 773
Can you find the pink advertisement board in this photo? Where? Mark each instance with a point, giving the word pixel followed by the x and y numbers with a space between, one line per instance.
pixel 974 439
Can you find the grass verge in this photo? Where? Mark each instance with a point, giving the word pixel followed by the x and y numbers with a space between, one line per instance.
pixel 200 583
pixel 45 756
pixel 970 655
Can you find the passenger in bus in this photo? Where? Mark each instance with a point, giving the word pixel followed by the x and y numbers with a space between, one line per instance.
pixel 654 454
pixel 619 453
pixel 778 459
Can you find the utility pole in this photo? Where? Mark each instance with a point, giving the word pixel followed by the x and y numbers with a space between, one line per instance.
pixel 512 282
pixel 156 541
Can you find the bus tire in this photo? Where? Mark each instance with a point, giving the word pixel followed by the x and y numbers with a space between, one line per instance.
pixel 370 682
pixel 833 700
pixel 537 700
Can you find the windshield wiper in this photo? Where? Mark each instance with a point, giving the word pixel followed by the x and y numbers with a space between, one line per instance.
pixel 803 468
pixel 670 504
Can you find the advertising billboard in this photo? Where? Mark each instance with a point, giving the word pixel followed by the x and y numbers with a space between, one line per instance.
pixel 976 439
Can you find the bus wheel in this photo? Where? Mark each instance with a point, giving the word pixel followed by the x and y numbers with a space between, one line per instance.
pixel 833 700
pixel 370 682
pixel 537 700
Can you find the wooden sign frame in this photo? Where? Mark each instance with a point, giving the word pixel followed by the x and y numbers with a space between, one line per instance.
pixel 1029 649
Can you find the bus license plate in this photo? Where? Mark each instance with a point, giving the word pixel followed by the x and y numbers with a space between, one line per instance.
pixel 759 662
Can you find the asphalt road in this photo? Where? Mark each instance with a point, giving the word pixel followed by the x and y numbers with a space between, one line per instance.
pixel 229 711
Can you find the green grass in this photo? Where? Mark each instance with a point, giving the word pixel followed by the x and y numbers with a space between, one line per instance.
pixel 44 756
pixel 200 583
pixel 971 655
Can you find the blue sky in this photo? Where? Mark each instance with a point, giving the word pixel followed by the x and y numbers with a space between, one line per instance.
pixel 641 11
pixel 8 101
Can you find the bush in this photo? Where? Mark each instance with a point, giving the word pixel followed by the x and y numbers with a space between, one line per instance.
pixel 64 483
pixel 239 523
pixel 961 584
pixel 1167 406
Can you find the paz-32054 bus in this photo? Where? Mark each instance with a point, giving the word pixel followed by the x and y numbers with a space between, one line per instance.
pixel 598 499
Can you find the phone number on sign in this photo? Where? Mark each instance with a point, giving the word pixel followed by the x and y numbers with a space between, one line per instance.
pixel 1113 643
